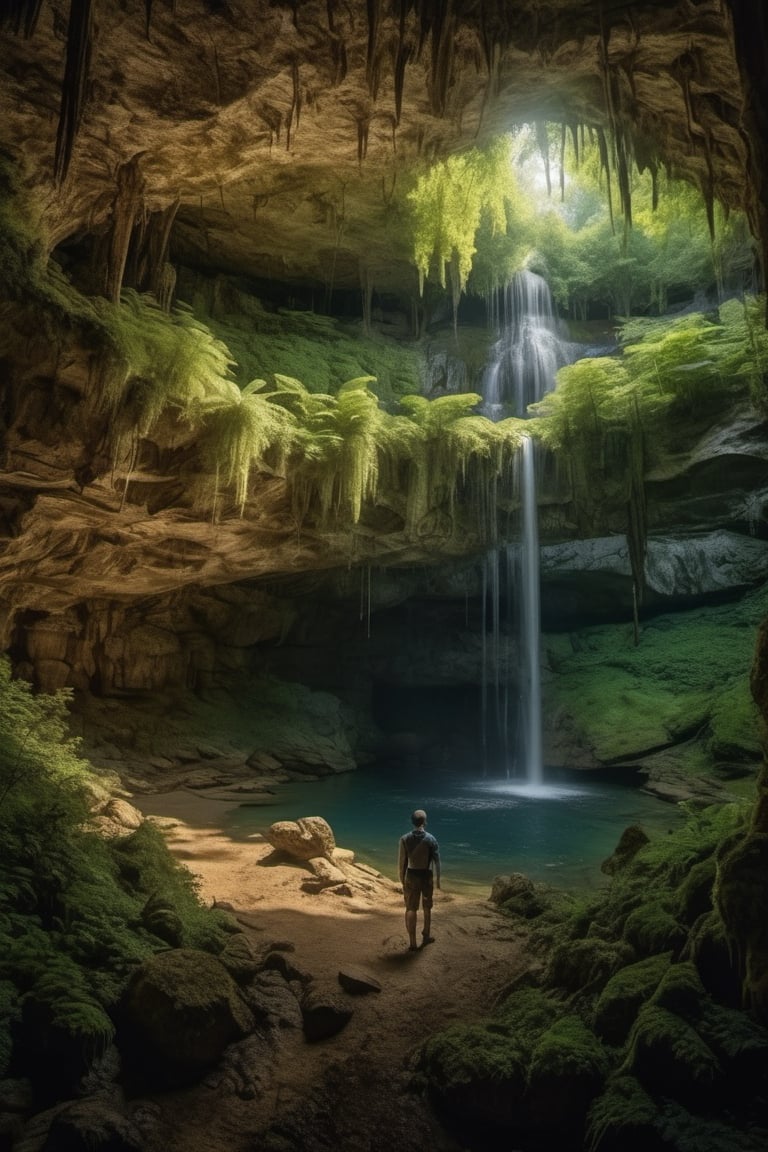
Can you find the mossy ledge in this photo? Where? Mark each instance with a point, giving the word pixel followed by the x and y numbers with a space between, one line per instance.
pixel 642 1022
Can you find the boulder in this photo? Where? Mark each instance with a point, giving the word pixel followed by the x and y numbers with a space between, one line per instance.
pixel 323 1014
pixel 92 1126
pixel 180 1011
pixel 303 839
pixel 631 841
pixel 325 872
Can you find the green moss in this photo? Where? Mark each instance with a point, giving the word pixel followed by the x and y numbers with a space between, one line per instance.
pixel 681 991
pixel 694 897
pixel 625 993
pixel 741 891
pixel 569 1050
pixel 527 1013
pixel 587 964
pixel 668 1056
pixel 621 700
pixel 318 350
pixel 466 1053
pixel 652 928
pixel 684 1131
pixel 623 1119
pixel 734 725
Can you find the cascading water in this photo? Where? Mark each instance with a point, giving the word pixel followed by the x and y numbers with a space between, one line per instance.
pixel 532 347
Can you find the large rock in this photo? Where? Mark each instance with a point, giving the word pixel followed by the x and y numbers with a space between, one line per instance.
pixel 323 1013
pixel 180 1011
pixel 92 1126
pixel 303 839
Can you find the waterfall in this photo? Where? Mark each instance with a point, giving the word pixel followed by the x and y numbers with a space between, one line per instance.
pixel 532 346
pixel 530 613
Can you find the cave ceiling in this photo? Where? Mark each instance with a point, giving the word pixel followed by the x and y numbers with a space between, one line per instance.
pixel 272 140
pixel 283 131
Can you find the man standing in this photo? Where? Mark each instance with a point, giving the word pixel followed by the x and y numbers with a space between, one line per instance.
pixel 418 852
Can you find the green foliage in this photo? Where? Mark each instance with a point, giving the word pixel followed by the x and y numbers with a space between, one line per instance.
pixel 71 902
pixel 38 757
pixel 449 203
pixel 318 350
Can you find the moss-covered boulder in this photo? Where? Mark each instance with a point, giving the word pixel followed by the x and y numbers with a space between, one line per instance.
pixel 630 842
pixel 476 1074
pixel 567 1070
pixel 669 1057
pixel 516 894
pixel 576 965
pixel 716 962
pixel 624 1118
pixel 180 1011
pixel 624 994
pixel 652 928
pixel 694 897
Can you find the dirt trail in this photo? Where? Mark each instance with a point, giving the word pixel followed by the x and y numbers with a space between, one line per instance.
pixel 350 1092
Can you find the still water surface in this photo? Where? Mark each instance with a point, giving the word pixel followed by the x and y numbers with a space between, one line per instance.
pixel 559 834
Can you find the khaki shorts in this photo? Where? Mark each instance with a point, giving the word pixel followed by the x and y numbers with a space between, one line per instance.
pixel 418 886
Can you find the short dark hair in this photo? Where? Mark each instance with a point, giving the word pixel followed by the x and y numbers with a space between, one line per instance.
pixel 419 817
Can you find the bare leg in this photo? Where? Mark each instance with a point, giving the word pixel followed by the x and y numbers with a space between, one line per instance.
pixel 427 925
pixel 410 924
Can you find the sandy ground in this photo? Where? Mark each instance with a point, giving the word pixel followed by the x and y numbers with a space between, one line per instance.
pixel 352 1092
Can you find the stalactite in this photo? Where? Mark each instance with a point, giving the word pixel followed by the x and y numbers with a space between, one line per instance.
pixel 147 16
pixel 339 57
pixel 542 141
pixel 75 80
pixel 366 285
pixel 605 166
pixel 443 31
pixel 562 161
pixel 127 205
pixel 373 9
pixel 295 111
pixel 402 56
pixel 21 16
pixel 363 125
